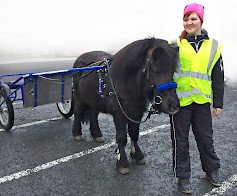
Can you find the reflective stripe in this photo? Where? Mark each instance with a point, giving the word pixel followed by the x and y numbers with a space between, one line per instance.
pixel 183 94
pixel 184 74
pixel 201 76
pixel 178 68
pixel 213 53
pixel 174 43
pixel 193 75
pixel 196 91
pixel 188 94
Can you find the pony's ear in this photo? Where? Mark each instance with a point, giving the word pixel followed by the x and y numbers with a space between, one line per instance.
pixel 157 53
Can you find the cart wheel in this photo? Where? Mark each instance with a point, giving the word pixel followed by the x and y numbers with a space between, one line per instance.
pixel 6 112
pixel 66 108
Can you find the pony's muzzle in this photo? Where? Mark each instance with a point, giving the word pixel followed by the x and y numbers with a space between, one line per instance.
pixel 173 108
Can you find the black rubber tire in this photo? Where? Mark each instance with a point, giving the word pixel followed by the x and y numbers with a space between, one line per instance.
pixel 6 112
pixel 66 109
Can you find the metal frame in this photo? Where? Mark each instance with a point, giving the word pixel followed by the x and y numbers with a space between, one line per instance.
pixel 37 88
pixel 25 79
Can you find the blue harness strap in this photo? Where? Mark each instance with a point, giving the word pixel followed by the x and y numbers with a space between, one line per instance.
pixel 166 86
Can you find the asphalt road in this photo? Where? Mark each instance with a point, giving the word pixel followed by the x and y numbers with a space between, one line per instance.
pixel 40 157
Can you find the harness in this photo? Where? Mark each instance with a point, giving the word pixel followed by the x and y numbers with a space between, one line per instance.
pixel 102 74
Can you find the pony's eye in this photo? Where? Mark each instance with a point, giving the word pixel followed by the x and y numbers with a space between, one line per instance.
pixel 155 70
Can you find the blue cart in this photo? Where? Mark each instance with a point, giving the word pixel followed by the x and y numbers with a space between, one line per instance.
pixel 35 89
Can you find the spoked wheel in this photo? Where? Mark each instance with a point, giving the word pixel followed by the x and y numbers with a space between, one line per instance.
pixel 6 112
pixel 66 108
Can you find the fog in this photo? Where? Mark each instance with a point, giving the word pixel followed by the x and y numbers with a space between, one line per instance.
pixel 68 28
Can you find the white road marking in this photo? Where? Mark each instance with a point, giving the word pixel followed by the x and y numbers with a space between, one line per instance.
pixel 33 123
pixel 68 158
pixel 53 163
pixel 226 185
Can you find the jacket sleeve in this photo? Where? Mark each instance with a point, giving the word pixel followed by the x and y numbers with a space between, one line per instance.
pixel 217 78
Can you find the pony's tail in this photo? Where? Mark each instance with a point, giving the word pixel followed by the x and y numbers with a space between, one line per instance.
pixel 85 116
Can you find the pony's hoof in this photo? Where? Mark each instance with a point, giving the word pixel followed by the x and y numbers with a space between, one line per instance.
pixel 100 139
pixel 141 162
pixel 78 138
pixel 123 170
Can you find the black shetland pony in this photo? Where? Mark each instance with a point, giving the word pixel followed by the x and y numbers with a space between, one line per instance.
pixel 131 85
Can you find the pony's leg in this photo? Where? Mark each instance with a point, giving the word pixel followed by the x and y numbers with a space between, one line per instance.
pixel 76 128
pixel 122 164
pixel 94 126
pixel 136 153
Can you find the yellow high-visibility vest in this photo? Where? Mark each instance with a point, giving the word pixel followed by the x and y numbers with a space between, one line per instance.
pixel 193 76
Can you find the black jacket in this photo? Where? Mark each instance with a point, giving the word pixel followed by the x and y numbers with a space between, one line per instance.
pixel 217 75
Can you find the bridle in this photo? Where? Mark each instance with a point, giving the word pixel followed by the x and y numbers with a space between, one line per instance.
pixel 157 99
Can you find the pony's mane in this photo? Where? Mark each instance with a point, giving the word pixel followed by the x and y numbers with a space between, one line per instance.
pixel 133 56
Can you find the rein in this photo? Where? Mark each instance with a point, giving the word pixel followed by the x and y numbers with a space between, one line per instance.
pixel 119 103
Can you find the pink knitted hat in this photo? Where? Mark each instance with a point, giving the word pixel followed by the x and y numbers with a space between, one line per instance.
pixel 197 8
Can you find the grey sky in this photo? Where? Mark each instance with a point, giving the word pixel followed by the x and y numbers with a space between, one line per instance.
pixel 49 28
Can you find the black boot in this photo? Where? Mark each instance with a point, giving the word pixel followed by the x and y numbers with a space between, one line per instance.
pixel 213 177
pixel 185 186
